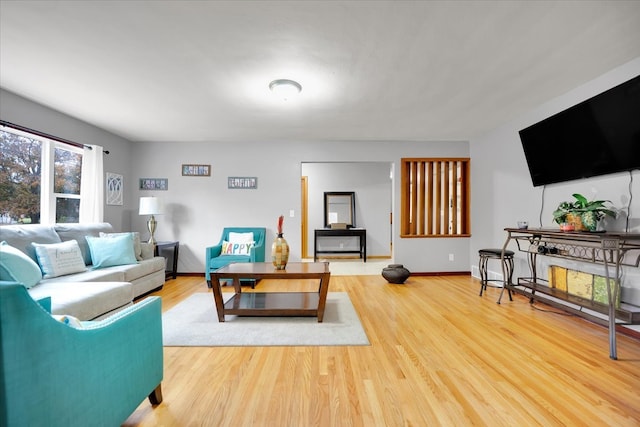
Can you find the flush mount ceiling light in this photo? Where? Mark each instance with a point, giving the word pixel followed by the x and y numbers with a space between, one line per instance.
pixel 285 89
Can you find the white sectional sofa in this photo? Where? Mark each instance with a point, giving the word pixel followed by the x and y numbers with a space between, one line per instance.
pixel 91 294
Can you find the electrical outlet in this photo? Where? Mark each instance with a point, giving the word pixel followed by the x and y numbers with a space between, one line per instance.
pixel 450 257
pixel 292 213
pixel 341 245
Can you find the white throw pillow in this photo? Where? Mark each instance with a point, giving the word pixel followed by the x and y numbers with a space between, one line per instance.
pixel 240 237
pixel 74 322
pixel 59 259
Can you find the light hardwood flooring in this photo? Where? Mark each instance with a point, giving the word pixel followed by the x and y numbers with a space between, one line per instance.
pixel 440 355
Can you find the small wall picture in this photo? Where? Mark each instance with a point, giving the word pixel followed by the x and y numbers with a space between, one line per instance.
pixel 242 182
pixel 196 170
pixel 154 184
pixel 114 189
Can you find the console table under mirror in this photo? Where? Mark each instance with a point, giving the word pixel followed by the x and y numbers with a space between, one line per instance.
pixel 340 227
pixel 611 251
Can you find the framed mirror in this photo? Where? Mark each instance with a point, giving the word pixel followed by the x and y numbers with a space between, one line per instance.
pixel 340 207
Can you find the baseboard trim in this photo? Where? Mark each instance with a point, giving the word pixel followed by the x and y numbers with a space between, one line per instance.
pixel 628 332
pixel 423 273
pixel 441 273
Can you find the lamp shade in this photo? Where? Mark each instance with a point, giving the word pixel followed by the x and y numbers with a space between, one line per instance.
pixel 151 206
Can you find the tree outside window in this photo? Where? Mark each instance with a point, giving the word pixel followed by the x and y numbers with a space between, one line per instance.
pixel 25 186
pixel 66 179
pixel 20 170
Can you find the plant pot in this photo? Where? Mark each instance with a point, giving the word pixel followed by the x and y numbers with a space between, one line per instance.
pixel 583 221
pixel 576 220
pixel 589 220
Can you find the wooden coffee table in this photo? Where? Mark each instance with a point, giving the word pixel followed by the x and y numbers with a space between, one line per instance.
pixel 272 303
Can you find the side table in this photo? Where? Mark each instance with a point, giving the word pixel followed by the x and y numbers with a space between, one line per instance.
pixel 169 250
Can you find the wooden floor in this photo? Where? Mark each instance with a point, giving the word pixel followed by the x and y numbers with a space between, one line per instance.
pixel 440 355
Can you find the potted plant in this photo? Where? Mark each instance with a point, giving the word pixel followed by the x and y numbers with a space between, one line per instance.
pixel 581 214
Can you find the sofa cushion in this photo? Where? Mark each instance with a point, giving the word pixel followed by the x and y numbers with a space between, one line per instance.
pixel 143 268
pixel 86 301
pixel 78 232
pixel 16 266
pixel 21 237
pixel 148 250
pixel 109 274
pixel 110 251
pixel 59 259
pixel 229 248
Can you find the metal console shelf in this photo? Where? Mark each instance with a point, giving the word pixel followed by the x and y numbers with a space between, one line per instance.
pixel 360 233
pixel 612 250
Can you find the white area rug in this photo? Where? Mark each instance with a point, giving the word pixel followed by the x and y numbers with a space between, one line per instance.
pixel 194 322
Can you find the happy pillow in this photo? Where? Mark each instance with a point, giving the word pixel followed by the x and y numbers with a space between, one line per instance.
pixel 229 248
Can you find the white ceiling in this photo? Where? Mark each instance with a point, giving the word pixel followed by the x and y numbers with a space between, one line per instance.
pixel 370 70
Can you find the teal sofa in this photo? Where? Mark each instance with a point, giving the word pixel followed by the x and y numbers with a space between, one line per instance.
pixel 214 258
pixel 52 374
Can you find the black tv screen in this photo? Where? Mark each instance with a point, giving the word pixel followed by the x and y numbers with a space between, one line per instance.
pixel 596 137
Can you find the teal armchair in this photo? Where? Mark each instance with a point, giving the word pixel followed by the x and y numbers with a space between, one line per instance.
pixel 52 374
pixel 215 260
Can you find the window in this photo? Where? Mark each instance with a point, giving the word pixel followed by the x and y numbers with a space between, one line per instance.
pixel 66 179
pixel 435 197
pixel 39 180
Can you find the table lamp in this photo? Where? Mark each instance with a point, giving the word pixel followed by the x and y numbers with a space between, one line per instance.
pixel 151 206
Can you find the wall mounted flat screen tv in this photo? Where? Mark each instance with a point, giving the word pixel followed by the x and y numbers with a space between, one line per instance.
pixel 596 137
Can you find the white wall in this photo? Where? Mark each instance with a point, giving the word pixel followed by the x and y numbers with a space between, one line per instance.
pixel 371 182
pixel 502 191
pixel 199 207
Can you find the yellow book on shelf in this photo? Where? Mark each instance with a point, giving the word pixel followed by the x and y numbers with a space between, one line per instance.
pixel 558 278
pixel 580 284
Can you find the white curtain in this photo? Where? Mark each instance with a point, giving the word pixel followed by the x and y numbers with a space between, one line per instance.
pixel 92 186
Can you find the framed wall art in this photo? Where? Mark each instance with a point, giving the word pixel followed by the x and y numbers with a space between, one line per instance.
pixel 154 184
pixel 242 182
pixel 196 170
pixel 114 189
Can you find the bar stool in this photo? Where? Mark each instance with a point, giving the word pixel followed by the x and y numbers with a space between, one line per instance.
pixel 491 253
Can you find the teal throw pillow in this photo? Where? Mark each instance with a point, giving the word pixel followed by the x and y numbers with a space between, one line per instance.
pixel 110 251
pixel 16 266
pixel 59 259
pixel 137 245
